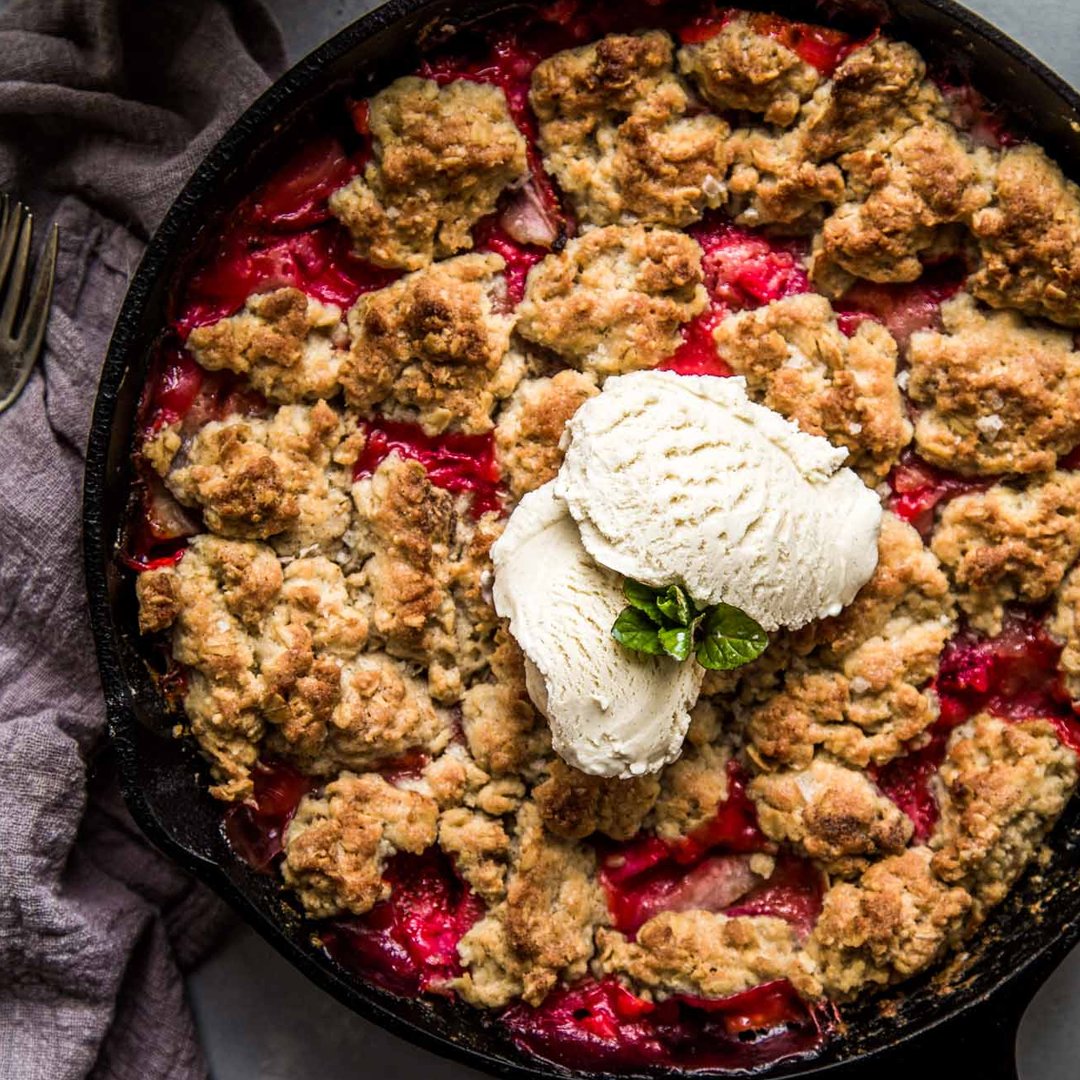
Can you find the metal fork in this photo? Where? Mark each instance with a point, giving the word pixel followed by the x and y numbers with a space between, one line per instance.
pixel 19 349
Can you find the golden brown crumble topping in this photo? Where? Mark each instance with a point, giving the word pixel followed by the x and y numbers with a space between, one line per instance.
pixel 405 525
pixel 740 68
pixel 221 590
pixel 773 182
pixel 1029 239
pixel 798 362
pixel 615 298
pixel 905 200
pixel 574 805
pixel 862 694
pixel 1001 786
pixel 283 478
pixel 833 814
pixel 379 713
pixel 338 842
pixel 528 434
pixel 544 929
pixel 709 955
pixel 618 132
pixel 433 347
pixel 1010 543
pixel 694 785
pixel 480 848
pixel 443 155
pixel 879 88
pixel 288 345
pixel 997 394
pixel 1064 624
pixel 893 921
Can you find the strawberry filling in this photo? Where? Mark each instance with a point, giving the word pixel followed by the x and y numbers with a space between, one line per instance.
pixel 903 309
pixel 491 235
pixel 709 870
pixel 601 1024
pixel 256 829
pixel 742 270
pixel 282 235
pixel 918 489
pixel 971 112
pixel 462 464
pixel 408 943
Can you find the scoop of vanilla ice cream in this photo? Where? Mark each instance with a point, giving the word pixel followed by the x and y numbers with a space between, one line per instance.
pixel 612 712
pixel 677 479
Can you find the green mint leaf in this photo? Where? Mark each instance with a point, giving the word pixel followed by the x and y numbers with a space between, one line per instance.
pixel 675 604
pixel 634 630
pixel 730 639
pixel 677 641
pixel 643 598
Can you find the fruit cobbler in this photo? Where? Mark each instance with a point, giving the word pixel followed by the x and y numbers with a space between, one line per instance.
pixel 374 364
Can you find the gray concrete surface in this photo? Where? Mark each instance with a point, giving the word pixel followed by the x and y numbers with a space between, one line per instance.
pixel 262 1020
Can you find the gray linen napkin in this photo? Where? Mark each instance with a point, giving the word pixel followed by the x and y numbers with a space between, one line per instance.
pixel 105 107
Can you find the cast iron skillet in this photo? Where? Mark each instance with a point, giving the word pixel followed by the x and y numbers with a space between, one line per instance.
pixel 962 1017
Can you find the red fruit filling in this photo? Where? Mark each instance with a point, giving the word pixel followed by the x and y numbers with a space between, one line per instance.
pixel 742 270
pixel 708 870
pixel 455 462
pixel 408 944
pixel 794 891
pixel 319 262
pixel 971 112
pixel 918 488
pixel 902 308
pixel 179 390
pixel 1013 676
pixel 734 826
pixel 745 270
pixel 282 235
pixel 520 258
pixel 296 197
pixel 906 780
pixel 256 829
pixel 603 1025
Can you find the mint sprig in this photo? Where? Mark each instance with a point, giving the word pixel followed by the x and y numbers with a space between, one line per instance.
pixel 668 622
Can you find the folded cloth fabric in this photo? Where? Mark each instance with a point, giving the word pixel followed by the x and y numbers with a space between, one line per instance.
pixel 105 107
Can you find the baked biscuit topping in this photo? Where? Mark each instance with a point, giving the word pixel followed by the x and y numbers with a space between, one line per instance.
pixel 287 344
pixel 443 155
pixel 621 135
pixel 798 362
pixel 996 393
pixel 1010 543
pixel 1029 239
pixel 434 346
pixel 741 68
pixel 614 299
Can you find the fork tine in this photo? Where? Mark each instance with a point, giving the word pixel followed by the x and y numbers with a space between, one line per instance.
pixel 17 278
pixel 37 318
pixel 9 233
pixel 32 331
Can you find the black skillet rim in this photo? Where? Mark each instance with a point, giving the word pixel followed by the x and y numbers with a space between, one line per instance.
pixel 171 234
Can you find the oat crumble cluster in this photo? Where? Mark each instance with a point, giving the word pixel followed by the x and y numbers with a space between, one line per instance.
pixel 333 611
